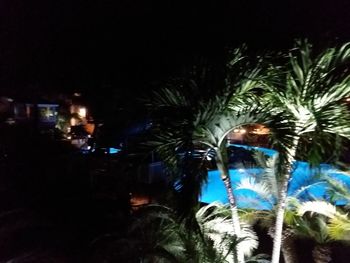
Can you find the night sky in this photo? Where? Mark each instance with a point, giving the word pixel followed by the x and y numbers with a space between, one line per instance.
pixel 84 45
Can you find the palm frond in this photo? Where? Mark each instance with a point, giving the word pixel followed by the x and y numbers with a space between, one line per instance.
pixel 215 221
pixel 252 216
pixel 339 228
pixel 318 207
pixel 271 174
pixel 312 89
pixel 216 129
pixel 304 188
pixel 338 190
pixel 315 228
pixel 261 189
pixel 167 98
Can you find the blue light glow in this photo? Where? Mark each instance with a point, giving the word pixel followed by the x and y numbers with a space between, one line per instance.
pixel 113 150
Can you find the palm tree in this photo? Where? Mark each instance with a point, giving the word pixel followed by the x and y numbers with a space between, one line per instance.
pixel 310 93
pixel 205 122
pixel 158 235
pixel 266 188
pixel 214 220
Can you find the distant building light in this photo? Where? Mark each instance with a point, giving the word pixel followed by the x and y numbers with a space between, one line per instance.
pixel 73 122
pixel 10 121
pixel 77 94
pixel 82 112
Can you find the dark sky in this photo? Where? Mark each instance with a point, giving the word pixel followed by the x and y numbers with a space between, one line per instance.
pixel 90 45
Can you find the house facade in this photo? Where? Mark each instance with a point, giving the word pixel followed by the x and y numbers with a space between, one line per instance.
pixel 44 113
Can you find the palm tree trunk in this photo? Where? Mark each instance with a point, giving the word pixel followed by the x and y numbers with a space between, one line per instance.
pixel 225 177
pixel 282 197
pixel 288 248
pixel 321 254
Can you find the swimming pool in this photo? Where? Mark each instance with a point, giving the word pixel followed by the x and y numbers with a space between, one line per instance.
pixel 302 175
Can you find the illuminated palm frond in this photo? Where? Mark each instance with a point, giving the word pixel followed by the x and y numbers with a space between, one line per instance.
pixel 214 130
pixel 335 223
pixel 319 207
pixel 270 174
pixel 214 220
pixel 315 228
pixel 261 189
pixel 311 91
pixel 158 235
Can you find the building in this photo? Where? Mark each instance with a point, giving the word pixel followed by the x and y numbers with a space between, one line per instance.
pixel 41 112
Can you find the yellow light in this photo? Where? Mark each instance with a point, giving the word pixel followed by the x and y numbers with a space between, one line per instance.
pixel 243 131
pixel 82 112
pixel 236 130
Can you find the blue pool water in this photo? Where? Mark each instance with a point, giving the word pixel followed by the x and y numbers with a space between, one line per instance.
pixel 113 150
pixel 302 176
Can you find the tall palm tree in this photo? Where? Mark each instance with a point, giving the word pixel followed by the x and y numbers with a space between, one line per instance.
pixel 310 93
pixel 205 121
pixel 266 188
